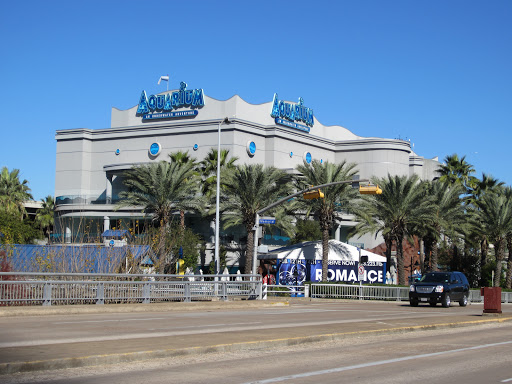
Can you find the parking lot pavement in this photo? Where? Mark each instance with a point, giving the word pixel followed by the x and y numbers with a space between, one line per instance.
pixel 62 337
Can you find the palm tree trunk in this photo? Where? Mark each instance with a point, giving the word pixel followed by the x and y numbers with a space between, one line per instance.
pixel 249 253
pixel 508 281
pixel 499 257
pixel 388 240
pixel 483 257
pixel 434 256
pixel 161 248
pixel 400 259
pixel 325 254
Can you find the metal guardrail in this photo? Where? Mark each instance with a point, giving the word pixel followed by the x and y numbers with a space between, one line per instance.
pixel 65 288
pixel 366 292
pixel 363 292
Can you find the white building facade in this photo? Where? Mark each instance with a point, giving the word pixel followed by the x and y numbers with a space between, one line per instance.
pixel 283 134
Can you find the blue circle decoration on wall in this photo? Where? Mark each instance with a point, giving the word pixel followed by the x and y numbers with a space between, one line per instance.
pixel 321 161
pixel 118 151
pixel 154 149
pixel 291 154
pixel 251 148
pixel 196 147
pixel 308 157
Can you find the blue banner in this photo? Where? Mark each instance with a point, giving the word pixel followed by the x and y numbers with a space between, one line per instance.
pixel 296 272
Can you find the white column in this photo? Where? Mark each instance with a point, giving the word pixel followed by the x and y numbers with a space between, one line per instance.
pixel 108 189
pixel 337 233
pixel 106 223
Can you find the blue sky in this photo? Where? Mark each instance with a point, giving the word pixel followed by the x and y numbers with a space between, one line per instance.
pixel 436 72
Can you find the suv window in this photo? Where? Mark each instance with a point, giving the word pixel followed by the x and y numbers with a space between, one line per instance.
pixel 436 278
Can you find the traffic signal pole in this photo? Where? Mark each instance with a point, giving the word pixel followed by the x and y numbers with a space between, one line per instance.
pixel 281 201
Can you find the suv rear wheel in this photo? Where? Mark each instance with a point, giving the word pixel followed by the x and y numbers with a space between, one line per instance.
pixel 413 302
pixel 446 300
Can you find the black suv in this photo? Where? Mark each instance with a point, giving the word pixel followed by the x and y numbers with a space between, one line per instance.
pixel 440 287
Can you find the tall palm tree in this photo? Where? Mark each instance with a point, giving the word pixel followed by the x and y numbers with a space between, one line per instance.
pixel 507 192
pixel 161 189
pixel 208 169
pixel 479 188
pixel 448 216
pixel 181 157
pixel 249 188
pixel 496 217
pixel 398 212
pixel 324 210
pixel 45 215
pixel 456 170
pixel 13 192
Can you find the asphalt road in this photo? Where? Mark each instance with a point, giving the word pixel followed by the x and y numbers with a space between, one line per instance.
pixel 321 341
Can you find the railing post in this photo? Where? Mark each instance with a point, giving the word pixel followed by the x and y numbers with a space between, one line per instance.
pixel 306 290
pixel 224 290
pixel 146 293
pixel 259 285
pixel 187 295
pixel 264 292
pixel 398 294
pixel 100 294
pixel 47 294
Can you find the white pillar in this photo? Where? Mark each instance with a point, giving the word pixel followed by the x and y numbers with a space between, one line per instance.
pixel 108 189
pixel 337 233
pixel 106 223
pixel 68 235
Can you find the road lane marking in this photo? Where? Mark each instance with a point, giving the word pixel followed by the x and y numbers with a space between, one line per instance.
pixel 506 380
pixel 377 363
pixel 110 321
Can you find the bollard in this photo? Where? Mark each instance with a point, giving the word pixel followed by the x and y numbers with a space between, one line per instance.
pixel 264 292
pixel 492 299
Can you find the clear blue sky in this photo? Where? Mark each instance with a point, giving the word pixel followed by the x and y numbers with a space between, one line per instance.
pixel 436 72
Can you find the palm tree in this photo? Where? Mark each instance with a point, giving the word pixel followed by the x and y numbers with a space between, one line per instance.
pixel 161 189
pixel 324 209
pixel 249 188
pixel 45 215
pixel 479 188
pixel 208 170
pixel 496 218
pixel 181 157
pixel 13 192
pixel 448 216
pixel 456 170
pixel 397 213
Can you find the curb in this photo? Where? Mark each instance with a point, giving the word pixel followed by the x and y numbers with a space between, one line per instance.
pixel 85 361
pixel 136 308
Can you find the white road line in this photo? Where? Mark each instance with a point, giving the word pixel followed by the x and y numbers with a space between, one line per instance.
pixel 110 321
pixel 376 363
pixel 507 380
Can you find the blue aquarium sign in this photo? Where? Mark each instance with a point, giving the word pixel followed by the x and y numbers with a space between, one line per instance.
pixel 288 114
pixel 164 104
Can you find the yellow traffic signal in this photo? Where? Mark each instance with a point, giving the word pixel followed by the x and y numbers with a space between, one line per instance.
pixel 316 194
pixel 369 190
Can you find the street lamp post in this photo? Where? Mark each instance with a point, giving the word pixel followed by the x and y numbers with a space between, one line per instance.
pixel 217 214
